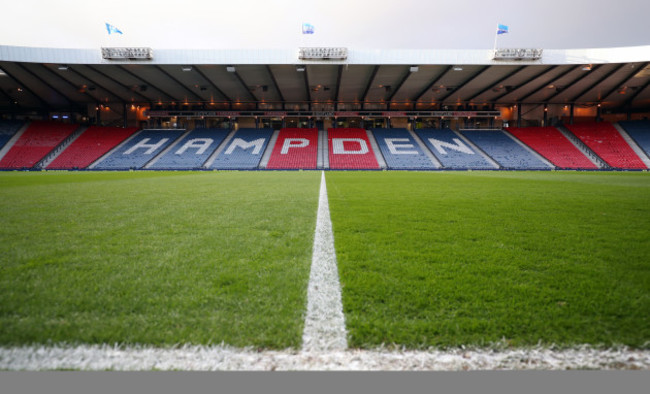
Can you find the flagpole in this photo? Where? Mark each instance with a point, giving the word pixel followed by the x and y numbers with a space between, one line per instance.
pixel 496 36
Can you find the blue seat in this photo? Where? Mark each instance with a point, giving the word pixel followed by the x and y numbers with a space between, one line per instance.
pixel 193 150
pixel 504 150
pixel 244 150
pixel 639 130
pixel 451 150
pixel 8 129
pixel 400 150
pixel 139 150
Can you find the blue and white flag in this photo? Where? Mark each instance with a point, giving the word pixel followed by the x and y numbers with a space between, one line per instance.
pixel 307 28
pixel 502 29
pixel 112 29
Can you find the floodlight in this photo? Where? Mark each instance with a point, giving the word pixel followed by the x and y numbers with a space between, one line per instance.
pixel 230 69
pixel 323 53
pixel 128 53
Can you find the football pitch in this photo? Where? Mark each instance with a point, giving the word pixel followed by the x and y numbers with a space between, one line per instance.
pixel 425 259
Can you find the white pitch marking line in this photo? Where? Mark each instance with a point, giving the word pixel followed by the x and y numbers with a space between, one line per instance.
pixel 324 324
pixel 225 358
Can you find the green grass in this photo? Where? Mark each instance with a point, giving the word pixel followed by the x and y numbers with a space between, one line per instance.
pixel 155 257
pixel 425 259
pixel 450 259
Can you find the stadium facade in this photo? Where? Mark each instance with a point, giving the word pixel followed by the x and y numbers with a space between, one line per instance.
pixel 411 100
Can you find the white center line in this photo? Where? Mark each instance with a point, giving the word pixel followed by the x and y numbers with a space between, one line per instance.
pixel 324 324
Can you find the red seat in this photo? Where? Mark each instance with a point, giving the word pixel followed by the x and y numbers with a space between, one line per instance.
pixel 607 142
pixel 553 145
pixel 90 146
pixel 295 149
pixel 350 149
pixel 35 143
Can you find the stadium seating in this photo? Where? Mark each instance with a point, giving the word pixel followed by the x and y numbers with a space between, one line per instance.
pixel 193 150
pixel 89 146
pixel 451 151
pixel 8 129
pixel 640 132
pixel 607 142
pixel 554 146
pixel 139 150
pixel 350 148
pixel 244 151
pixel 504 150
pixel 295 149
pixel 35 143
pixel 400 150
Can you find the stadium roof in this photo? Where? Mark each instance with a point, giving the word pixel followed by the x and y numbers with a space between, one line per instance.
pixel 69 79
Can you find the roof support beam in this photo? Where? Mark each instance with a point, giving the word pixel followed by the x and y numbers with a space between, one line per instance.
pixel 598 82
pixel 72 85
pixel 462 85
pixel 497 83
pixel 147 82
pixel 338 86
pixel 567 71
pixel 626 80
pixel 628 102
pixel 580 78
pixel 370 81
pixel 212 84
pixel 433 82
pixel 526 82
pixel 245 86
pixel 306 77
pixel 406 76
pixel 44 82
pixel 275 84
pixel 77 72
pixel 115 81
pixel 44 103
pixel 179 83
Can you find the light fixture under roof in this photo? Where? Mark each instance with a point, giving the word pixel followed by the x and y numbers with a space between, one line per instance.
pixel 2 73
pixel 300 68
pixel 230 69
pixel 186 68
pixel 458 68
pixel 62 67
pixel 586 67
pixel 414 69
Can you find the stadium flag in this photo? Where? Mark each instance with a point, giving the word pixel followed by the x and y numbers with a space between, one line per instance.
pixel 502 29
pixel 307 28
pixel 112 29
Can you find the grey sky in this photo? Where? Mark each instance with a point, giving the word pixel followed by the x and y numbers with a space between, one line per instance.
pixel 362 24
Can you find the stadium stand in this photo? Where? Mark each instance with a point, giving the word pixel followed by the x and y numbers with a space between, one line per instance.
pixel 400 150
pixel 639 130
pixel 91 145
pixel 8 128
pixel 295 149
pixel 35 143
pixel 451 151
pixel 350 149
pixel 139 150
pixel 554 146
pixel 504 150
pixel 192 151
pixel 244 151
pixel 607 142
